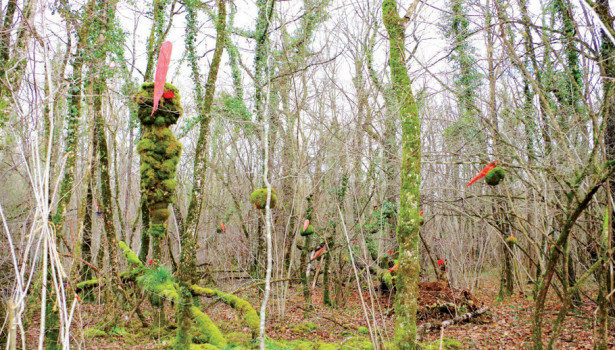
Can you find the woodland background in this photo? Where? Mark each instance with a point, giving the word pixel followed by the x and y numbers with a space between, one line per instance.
pixel 305 102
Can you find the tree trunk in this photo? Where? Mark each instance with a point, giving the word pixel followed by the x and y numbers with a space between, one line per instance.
pixel 186 272
pixel 303 260
pixel 409 219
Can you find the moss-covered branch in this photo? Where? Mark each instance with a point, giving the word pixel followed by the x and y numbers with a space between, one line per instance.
pixel 246 310
pixel 129 254
pixel 160 282
pixel 208 328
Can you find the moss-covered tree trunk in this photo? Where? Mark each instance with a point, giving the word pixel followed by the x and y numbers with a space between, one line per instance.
pixel 330 243
pixel 261 72
pixel 186 273
pixel 144 248
pixel 303 259
pixel 86 238
pixel 73 102
pixel 105 181
pixel 105 43
pixel 409 219
pixel 606 281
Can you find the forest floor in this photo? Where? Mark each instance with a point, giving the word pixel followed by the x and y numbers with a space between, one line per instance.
pixel 505 326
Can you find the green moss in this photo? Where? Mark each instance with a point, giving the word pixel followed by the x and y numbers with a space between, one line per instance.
pixel 118 330
pixel 238 338
pixel 95 333
pixel 302 345
pixel 258 198
pixel 87 284
pixel 304 328
pixel 495 176
pixel 168 110
pixel 130 255
pixel 159 215
pixel 169 185
pixel 203 347
pixel 357 344
pixel 511 240
pixel 207 327
pixel 363 330
pixel 131 274
pixel 157 230
pixel 308 231
pixel 447 343
pixel 244 308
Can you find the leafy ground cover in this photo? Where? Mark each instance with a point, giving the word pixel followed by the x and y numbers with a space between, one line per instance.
pixel 505 326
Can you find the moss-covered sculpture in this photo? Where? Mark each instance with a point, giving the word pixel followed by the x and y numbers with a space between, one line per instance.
pixel 159 151
pixel 169 108
pixel 308 231
pixel 495 176
pixel 258 198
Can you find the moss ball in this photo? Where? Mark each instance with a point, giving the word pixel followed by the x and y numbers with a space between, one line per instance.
pixel 494 177
pixel 308 231
pixel 258 198
pixel 160 215
pixel 169 110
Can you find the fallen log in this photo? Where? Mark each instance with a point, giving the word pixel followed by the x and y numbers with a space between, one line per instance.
pixel 428 326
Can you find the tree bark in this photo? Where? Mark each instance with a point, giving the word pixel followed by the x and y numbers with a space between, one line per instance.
pixel 186 272
pixel 409 219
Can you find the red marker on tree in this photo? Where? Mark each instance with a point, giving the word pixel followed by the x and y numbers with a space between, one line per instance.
pixel 169 94
pixel 483 172
pixel 318 253
pixel 161 72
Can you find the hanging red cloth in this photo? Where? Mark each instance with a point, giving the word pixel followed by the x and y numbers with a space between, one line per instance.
pixel 161 72
pixel 483 172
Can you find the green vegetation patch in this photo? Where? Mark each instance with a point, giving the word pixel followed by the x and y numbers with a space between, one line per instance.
pixel 447 343
pixel 258 198
pixel 495 176
pixel 308 231
pixel 95 333
pixel 304 328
